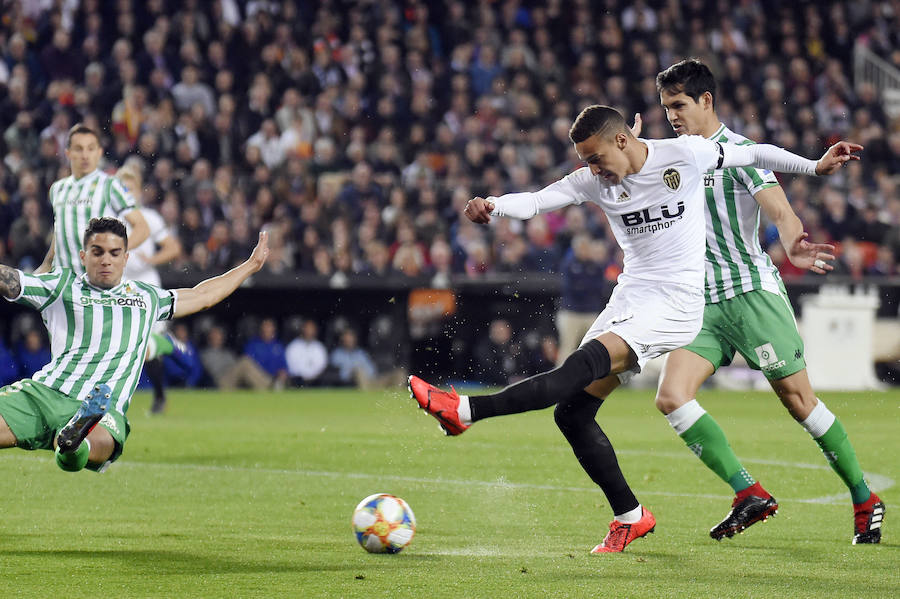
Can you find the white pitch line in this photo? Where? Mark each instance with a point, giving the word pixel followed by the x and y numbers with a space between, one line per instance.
pixel 877 482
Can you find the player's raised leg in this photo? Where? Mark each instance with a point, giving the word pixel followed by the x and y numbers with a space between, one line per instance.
pixel 683 373
pixel 92 409
pixel 797 395
pixel 588 363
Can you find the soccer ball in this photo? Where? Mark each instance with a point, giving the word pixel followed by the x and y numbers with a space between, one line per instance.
pixel 383 523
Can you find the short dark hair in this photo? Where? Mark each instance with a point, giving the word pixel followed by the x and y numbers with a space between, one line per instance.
pixel 596 119
pixel 689 76
pixel 80 129
pixel 105 224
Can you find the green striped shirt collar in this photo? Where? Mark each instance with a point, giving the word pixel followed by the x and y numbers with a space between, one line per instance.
pixel 718 132
pixel 120 288
pixel 88 176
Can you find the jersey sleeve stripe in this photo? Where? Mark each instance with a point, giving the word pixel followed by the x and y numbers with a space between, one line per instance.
pixel 64 279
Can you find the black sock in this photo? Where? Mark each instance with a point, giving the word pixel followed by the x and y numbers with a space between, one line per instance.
pixel 155 372
pixel 575 417
pixel 583 366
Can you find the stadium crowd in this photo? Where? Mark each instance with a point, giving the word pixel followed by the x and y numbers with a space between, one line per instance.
pixel 355 131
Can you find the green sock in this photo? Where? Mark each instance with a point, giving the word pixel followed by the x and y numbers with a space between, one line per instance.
pixel 842 458
pixel 159 345
pixel 75 461
pixel 707 440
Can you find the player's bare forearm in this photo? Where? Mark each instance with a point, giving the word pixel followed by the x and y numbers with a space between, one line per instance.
pixel 212 291
pixel 10 286
pixel 776 207
pixel 47 264
pixel 169 249
pixel 140 230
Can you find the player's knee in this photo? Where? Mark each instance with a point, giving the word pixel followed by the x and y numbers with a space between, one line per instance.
pixel 668 401
pixel 575 413
pixel 798 404
pixel 592 359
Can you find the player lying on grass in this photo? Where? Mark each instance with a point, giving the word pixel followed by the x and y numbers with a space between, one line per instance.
pixel 652 193
pixel 99 326
pixel 743 286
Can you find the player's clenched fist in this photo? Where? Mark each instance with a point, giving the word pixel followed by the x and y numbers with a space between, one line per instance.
pixel 478 210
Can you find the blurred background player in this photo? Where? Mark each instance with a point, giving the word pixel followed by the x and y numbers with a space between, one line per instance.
pixel 160 247
pixel 748 312
pixel 585 291
pixel 87 193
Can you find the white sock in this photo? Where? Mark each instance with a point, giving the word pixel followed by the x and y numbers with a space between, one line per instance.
pixel 819 420
pixel 464 411
pixel 684 417
pixel 631 516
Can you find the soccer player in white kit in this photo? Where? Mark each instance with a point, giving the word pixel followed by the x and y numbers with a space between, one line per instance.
pixel 652 193
pixel 159 248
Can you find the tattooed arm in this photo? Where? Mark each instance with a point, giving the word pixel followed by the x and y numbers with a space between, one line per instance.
pixel 10 285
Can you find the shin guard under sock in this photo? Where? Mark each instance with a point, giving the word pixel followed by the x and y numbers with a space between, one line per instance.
pixel 575 417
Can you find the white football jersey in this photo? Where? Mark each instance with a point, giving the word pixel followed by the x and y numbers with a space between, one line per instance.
pixel 137 269
pixel 657 214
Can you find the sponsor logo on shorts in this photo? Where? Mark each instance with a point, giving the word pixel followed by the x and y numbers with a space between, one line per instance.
pixel 697 448
pixel 768 359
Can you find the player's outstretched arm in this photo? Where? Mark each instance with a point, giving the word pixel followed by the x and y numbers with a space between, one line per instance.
pixel 782 161
pixel 10 285
pixel 212 291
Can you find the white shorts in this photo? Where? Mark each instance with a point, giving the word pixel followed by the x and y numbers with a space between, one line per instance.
pixel 652 318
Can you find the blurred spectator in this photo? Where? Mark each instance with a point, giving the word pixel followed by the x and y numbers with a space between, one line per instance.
pixel 9 371
pixel 187 369
pixel 268 352
pixel 499 358
pixel 33 354
pixel 226 369
pixel 306 355
pixel 353 363
pixel 585 291
pixel 29 236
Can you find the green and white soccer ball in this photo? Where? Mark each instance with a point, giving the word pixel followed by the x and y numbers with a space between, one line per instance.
pixel 383 523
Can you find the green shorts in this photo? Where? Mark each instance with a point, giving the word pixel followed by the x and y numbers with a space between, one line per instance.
pixel 34 413
pixel 759 325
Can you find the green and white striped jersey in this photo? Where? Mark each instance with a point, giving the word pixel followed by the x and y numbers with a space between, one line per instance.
pixel 735 261
pixel 96 335
pixel 75 203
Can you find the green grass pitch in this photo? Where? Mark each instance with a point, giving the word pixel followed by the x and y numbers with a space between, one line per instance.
pixel 249 495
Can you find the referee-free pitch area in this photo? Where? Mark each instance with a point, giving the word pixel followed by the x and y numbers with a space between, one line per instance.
pixel 250 495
